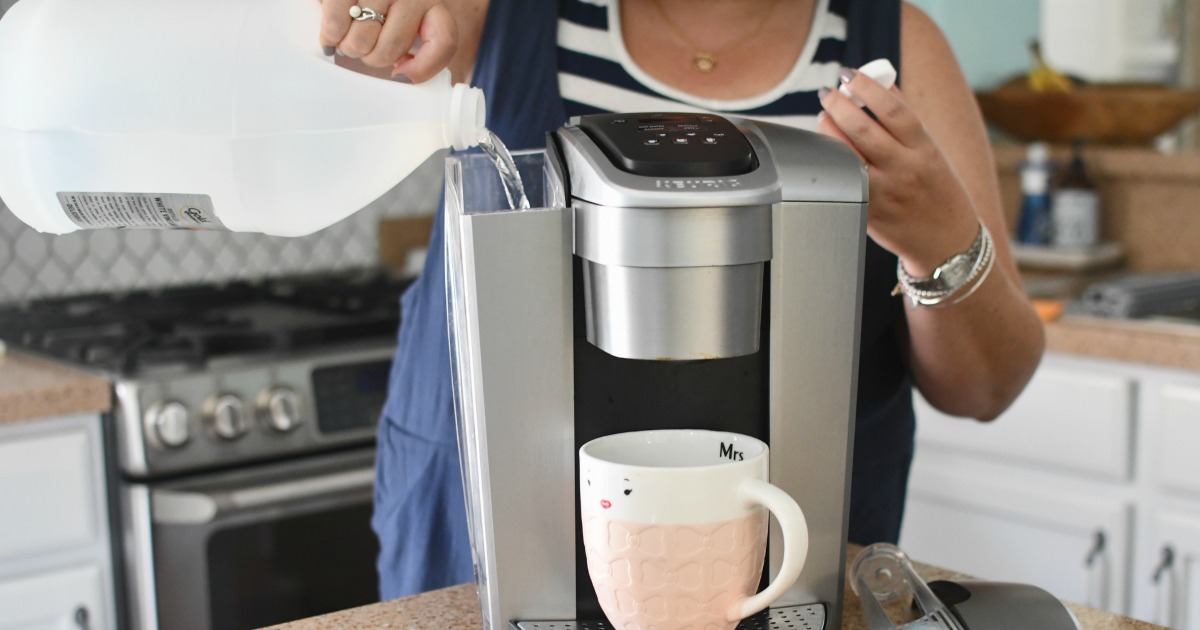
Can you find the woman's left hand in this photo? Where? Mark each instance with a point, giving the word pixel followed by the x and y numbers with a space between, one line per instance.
pixel 919 208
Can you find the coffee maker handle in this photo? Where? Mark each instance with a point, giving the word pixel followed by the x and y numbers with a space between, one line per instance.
pixel 795 544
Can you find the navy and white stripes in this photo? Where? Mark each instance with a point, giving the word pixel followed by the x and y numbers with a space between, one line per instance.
pixel 596 73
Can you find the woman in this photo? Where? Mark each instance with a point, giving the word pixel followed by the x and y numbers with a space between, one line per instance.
pixel 932 186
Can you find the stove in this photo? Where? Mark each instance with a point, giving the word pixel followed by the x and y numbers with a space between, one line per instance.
pixel 241 438
pixel 214 375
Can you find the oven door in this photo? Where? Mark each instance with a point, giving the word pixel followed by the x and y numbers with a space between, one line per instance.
pixel 264 545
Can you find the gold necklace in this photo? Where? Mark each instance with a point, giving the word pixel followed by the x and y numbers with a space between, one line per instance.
pixel 704 59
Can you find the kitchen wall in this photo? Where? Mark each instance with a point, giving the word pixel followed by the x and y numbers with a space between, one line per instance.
pixel 1099 40
pixel 991 54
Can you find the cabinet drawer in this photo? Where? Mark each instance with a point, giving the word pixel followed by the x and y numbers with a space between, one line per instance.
pixel 1066 418
pixel 1179 439
pixel 1025 528
pixel 47 492
pixel 55 599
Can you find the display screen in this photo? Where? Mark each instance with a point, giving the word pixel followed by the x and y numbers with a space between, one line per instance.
pixel 350 396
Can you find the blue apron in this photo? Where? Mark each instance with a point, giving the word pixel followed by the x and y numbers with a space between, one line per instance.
pixel 420 513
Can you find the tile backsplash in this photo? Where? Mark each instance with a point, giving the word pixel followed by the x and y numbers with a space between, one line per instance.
pixel 35 265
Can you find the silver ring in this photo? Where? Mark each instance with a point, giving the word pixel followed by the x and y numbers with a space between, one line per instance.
pixel 360 14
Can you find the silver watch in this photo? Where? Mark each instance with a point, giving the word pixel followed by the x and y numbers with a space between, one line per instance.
pixel 949 275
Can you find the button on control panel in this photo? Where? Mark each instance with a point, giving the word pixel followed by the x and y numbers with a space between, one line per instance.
pixel 671 144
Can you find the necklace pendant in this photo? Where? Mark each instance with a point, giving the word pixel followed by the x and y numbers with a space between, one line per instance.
pixel 705 62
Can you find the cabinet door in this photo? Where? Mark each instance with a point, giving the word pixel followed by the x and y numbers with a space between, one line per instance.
pixel 48 477
pixel 1171 578
pixel 1166 573
pixel 1012 528
pixel 59 600
pixel 1070 418
pixel 1177 412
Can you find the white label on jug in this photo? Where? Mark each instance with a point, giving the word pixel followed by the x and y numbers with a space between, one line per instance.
pixel 140 210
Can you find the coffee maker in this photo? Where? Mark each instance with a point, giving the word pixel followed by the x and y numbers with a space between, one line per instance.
pixel 679 271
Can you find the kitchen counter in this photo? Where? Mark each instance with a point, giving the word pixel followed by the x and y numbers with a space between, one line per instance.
pixel 1158 343
pixel 456 608
pixel 31 388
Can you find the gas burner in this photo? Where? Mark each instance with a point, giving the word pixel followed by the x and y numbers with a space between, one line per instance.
pixel 186 328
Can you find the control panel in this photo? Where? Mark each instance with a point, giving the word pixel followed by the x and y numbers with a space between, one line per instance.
pixel 671 144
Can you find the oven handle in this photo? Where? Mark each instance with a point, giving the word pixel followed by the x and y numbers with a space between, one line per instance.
pixel 175 507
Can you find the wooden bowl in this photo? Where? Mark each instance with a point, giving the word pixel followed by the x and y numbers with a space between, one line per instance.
pixel 1100 113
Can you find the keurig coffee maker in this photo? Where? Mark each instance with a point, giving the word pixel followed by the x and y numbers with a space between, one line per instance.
pixel 681 271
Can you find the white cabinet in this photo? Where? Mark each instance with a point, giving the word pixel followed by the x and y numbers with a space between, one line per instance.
pixel 1082 487
pixel 46 479
pixel 55 600
pixel 1166 582
pixel 1170 594
pixel 55 550
pixel 1073 544
pixel 1068 418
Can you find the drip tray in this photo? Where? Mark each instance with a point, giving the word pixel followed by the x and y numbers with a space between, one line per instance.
pixel 809 617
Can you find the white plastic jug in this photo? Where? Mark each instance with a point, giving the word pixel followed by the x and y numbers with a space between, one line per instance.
pixel 217 114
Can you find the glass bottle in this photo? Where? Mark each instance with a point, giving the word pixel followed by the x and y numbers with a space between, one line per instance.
pixel 1035 227
pixel 1076 206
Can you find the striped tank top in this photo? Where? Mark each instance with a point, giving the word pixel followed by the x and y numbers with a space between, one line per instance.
pixel 596 73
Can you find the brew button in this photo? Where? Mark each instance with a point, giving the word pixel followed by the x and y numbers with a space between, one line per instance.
pixel 710 141
pixel 691 133
pixel 652 141
pixel 680 140
pixel 662 135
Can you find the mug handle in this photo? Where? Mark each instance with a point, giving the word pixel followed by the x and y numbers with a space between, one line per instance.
pixel 795 544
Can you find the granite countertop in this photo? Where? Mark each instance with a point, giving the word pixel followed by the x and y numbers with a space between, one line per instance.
pixel 456 608
pixel 1163 344
pixel 32 388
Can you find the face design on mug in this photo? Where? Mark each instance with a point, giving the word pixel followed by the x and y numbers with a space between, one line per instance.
pixel 603 495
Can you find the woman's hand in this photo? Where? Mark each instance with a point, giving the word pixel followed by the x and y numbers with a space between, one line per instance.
pixel 387 45
pixel 919 208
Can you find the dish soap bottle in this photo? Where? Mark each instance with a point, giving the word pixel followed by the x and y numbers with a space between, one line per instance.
pixel 204 114
pixel 1035 227
pixel 1076 206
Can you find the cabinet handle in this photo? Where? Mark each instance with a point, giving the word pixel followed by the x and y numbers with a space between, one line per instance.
pixel 81 618
pixel 1164 587
pixel 1097 571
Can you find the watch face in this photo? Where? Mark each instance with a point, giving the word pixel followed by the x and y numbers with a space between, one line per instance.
pixel 953 272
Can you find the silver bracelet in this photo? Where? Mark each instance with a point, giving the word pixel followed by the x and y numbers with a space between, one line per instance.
pixel 954 280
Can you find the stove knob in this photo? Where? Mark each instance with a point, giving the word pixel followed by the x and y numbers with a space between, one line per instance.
pixel 279 408
pixel 225 416
pixel 167 424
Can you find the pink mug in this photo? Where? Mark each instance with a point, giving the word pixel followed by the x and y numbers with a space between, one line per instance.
pixel 675 530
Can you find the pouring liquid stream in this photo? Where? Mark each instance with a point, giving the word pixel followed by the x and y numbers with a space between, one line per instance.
pixel 514 188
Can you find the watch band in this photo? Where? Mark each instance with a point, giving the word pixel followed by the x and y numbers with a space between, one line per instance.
pixel 955 279
pixel 948 275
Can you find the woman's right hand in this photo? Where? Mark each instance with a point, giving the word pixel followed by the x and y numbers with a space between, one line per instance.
pixel 388 45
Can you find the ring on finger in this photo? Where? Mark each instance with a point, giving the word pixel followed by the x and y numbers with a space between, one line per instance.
pixel 361 14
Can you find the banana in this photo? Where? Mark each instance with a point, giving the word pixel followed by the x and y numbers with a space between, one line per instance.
pixel 1043 78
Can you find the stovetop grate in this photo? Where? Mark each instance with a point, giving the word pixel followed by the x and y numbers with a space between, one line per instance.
pixel 808 617
pixel 129 333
